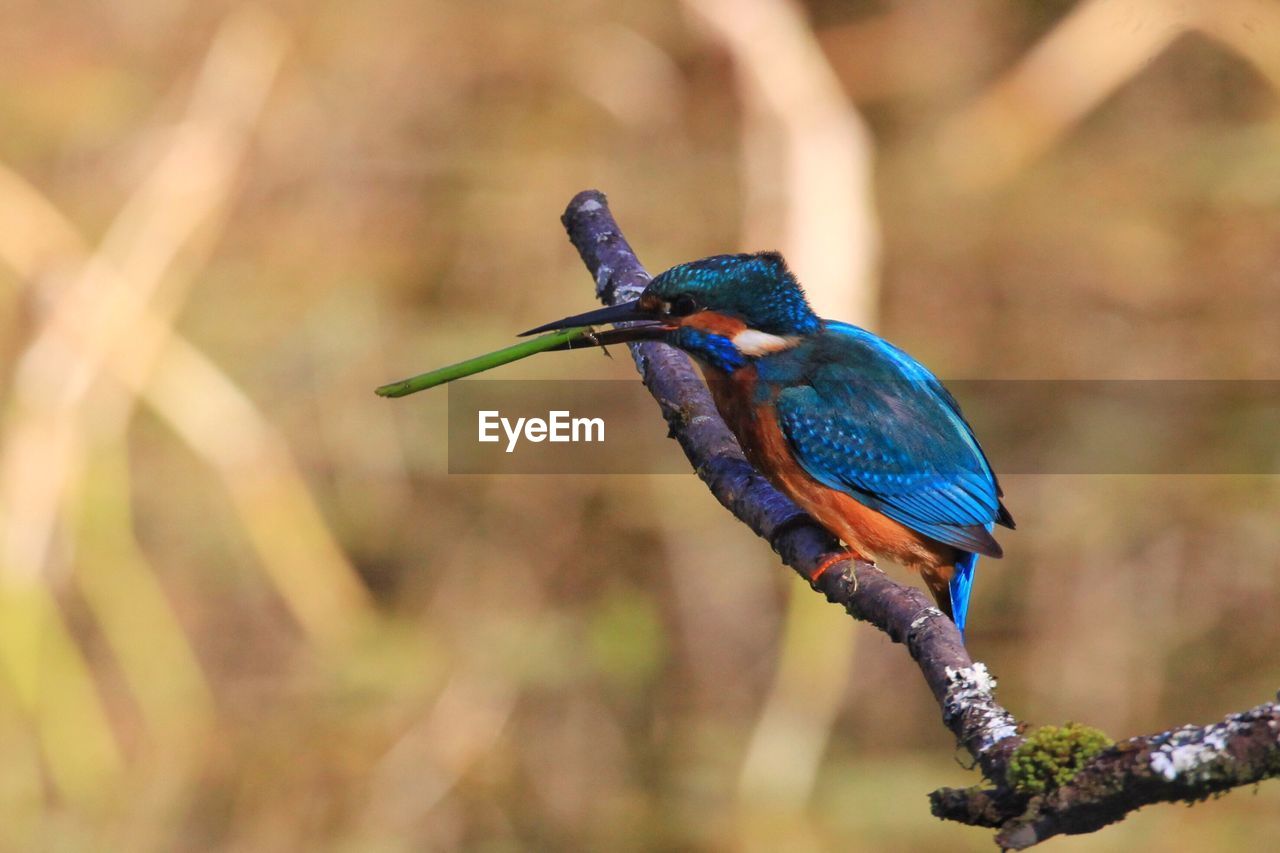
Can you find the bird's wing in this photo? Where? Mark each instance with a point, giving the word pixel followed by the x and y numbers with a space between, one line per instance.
pixel 872 422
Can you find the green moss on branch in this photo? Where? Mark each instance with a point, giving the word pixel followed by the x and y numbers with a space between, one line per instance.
pixel 1051 756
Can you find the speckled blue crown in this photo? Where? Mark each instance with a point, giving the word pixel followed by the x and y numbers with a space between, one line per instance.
pixel 758 288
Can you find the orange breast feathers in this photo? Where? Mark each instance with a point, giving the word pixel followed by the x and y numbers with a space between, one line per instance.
pixel 715 323
pixel 863 529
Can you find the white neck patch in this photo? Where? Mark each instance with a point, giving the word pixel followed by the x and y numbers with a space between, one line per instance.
pixel 754 342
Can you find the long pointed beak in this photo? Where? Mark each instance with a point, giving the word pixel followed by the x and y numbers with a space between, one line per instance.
pixel 627 312
pixel 638 332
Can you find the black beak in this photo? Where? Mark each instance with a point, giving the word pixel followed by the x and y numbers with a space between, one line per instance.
pixel 627 312
pixel 629 334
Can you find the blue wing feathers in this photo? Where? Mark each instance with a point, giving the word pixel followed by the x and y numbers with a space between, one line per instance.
pixel 868 419
pixel 915 370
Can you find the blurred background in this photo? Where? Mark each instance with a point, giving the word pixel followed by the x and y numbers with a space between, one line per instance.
pixel 243 606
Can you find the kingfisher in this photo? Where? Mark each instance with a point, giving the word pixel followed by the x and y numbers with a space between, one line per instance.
pixel 853 429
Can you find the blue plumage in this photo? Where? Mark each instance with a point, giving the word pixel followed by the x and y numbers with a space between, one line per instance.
pixel 786 313
pixel 715 350
pixel 868 419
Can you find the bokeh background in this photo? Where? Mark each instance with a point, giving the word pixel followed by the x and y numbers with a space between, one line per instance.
pixel 244 607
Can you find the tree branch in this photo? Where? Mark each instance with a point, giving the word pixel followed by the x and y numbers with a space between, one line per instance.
pixel 1188 764
pixel 1185 764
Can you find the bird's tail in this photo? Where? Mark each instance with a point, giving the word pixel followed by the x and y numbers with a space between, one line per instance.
pixel 961 585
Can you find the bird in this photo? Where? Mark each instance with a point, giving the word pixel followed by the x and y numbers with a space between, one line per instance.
pixel 857 432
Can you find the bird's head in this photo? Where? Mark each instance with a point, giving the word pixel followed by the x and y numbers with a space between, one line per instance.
pixel 725 310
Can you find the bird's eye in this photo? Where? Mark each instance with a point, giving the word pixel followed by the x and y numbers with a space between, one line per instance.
pixel 684 305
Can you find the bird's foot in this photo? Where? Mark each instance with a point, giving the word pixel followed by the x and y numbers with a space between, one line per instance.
pixel 831 560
